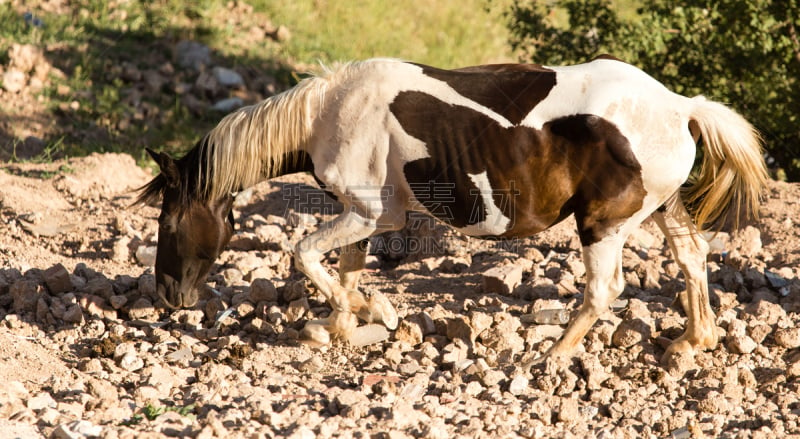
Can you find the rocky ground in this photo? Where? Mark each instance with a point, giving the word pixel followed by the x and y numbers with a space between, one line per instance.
pixel 87 350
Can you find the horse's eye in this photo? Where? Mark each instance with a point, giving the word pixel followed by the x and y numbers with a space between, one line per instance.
pixel 166 227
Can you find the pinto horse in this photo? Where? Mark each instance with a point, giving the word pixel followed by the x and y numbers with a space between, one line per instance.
pixel 509 151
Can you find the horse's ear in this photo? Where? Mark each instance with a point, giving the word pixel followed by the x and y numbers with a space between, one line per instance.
pixel 166 164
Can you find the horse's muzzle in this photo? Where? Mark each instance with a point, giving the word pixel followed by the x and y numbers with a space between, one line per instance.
pixel 175 295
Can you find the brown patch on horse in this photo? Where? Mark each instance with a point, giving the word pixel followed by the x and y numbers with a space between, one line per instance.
pixel 511 90
pixel 578 164
pixel 608 182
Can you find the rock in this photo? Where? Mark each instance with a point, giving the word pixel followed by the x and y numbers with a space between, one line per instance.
pixel 453 353
pixel 146 285
pixel 502 279
pixel 631 332
pixel 76 430
pixel 228 104
pixel 25 294
pixel 118 301
pixel 192 55
pixel 741 344
pixel 714 402
pixel 193 104
pixel 244 309
pixel 120 251
pixel 146 255
pixel 130 362
pixel 788 338
pixel 518 385
pixel 99 286
pixel 297 309
pixel 352 404
pixel 14 80
pixel 143 309
pixel 154 81
pixel 492 377
pixel 539 333
pixel 595 373
pixel 24 57
pixel 227 77
pixel 104 391
pixel 569 411
pixel 57 279
pixel 459 328
pixel 368 334
pixel 748 241
pixel 503 335
pixel 263 290
pixel 424 321
pixel 454 264
pixel 96 306
pixel 408 332
pixel 765 312
pixel 641 238
pixel 282 34
pixel 40 401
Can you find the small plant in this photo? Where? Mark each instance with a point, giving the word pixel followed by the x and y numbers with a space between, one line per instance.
pixel 151 412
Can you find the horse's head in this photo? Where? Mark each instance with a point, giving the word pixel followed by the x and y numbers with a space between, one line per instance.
pixel 191 233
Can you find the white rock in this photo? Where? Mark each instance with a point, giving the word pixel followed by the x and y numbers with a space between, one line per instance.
pixel 77 430
pixel 518 385
pixel 14 80
pixel 228 104
pixel 227 77
pixel 192 55
pixel 146 255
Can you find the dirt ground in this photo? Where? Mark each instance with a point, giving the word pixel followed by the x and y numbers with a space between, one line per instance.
pixel 87 350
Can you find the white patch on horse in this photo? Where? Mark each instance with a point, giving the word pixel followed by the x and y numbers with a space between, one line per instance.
pixel 590 88
pixel 495 222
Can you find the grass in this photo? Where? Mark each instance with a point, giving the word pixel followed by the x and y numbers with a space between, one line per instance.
pixel 91 40
pixel 445 33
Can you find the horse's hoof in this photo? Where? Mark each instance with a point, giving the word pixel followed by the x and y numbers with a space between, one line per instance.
pixel 379 310
pixel 315 335
pixel 341 324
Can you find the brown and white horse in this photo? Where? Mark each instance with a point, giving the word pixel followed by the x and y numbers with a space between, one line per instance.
pixel 495 151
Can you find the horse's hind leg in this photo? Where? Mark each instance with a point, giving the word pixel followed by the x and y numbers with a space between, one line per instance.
pixel 689 250
pixel 351 263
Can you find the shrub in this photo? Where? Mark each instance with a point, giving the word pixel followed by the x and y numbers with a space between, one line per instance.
pixel 742 52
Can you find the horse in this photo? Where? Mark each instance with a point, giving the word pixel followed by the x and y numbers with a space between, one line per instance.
pixel 495 151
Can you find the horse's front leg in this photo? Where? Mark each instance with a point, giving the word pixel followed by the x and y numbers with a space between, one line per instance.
pixel 352 260
pixel 346 230
pixel 604 282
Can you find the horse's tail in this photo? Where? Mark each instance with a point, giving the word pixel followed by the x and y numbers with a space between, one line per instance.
pixel 733 173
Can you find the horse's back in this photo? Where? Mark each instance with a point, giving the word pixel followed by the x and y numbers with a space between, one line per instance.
pixel 504 150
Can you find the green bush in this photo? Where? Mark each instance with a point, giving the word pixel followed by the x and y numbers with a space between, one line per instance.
pixel 742 52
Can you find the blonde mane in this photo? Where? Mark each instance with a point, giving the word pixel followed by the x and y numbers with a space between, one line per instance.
pixel 251 144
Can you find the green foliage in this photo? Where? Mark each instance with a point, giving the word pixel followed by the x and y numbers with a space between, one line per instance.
pixel 742 52
pixel 151 412
pixel 445 33
pixel 95 108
